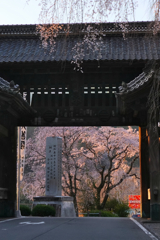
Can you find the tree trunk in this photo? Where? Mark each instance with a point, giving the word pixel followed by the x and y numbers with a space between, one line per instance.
pixel 98 204
pixel 75 205
pixel 75 202
pixel 104 201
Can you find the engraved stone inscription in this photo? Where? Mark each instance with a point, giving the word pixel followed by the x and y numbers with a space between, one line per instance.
pixel 53 166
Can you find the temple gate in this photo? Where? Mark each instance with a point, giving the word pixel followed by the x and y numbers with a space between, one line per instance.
pixel 112 91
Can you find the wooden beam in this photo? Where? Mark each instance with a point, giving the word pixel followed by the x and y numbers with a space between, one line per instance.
pixel 154 148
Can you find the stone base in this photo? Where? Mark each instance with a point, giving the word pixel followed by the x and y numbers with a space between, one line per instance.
pixel 64 205
pixel 18 213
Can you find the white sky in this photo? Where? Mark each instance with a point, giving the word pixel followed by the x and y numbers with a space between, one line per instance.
pixel 19 12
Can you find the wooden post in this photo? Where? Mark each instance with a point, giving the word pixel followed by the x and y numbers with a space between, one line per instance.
pixel 144 172
pixel 9 157
pixel 18 214
pixel 154 173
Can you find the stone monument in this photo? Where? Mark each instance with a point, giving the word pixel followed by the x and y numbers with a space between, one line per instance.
pixel 53 195
pixel 53 166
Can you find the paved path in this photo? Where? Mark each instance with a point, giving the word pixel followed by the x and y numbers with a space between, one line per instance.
pixel 71 229
pixel 151 226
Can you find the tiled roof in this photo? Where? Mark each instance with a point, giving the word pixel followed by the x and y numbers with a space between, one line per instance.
pixel 133 96
pixel 78 28
pixel 3 83
pixel 21 44
pixel 9 87
pixel 137 83
pixel 11 93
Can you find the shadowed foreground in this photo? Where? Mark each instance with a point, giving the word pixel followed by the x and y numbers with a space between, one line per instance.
pixel 71 229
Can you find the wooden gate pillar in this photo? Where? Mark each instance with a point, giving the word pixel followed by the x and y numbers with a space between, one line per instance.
pixel 8 154
pixel 144 172
pixel 154 147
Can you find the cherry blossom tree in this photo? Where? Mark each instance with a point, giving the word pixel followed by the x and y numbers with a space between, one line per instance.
pixel 130 186
pixel 72 159
pixel 94 162
pixel 106 151
pixel 84 11
pixel 34 183
pixel 71 11
pixel 54 13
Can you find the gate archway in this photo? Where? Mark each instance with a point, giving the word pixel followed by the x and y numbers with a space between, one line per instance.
pixel 59 96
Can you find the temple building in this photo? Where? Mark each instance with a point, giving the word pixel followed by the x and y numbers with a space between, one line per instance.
pixel 113 84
